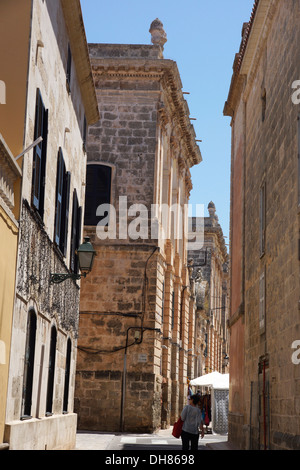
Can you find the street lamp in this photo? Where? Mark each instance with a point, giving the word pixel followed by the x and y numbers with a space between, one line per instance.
pixel 86 255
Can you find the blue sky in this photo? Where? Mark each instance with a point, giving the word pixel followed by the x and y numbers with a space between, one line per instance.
pixel 203 38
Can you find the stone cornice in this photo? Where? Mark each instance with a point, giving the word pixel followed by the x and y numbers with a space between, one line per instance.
pixel 173 110
pixel 246 61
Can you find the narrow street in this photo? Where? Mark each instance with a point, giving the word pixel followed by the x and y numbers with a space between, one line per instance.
pixel 160 441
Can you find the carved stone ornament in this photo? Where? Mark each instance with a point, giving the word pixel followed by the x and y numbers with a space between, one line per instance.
pixel 158 34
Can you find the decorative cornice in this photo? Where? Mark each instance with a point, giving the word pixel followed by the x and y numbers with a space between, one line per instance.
pixel 245 63
pixel 174 109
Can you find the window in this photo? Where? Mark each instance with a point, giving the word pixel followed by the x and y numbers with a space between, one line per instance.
pixel 262 303
pixel 69 69
pixel 262 219
pixel 173 309
pixel 84 134
pixel 67 377
pixel 76 233
pixel 29 365
pixel 39 155
pixel 98 188
pixel 263 104
pixel 63 180
pixel 51 371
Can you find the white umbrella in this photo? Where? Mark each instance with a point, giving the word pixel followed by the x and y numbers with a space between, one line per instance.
pixel 214 379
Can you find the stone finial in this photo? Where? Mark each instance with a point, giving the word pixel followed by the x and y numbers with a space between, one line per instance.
pixel 212 213
pixel 211 208
pixel 158 34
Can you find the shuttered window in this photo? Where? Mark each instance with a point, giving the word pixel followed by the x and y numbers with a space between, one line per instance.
pixel 262 219
pixel 63 181
pixel 84 134
pixel 173 309
pixel 67 377
pixel 262 302
pixel 76 233
pixel 98 188
pixel 69 69
pixel 39 155
pixel 29 365
pixel 51 371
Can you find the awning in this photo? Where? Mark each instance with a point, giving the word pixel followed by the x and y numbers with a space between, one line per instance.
pixel 214 380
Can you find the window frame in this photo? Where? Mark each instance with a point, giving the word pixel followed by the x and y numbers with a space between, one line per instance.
pixel 262 219
pixel 51 371
pixel 96 220
pixel 39 155
pixel 62 204
pixel 75 233
pixel 67 376
pixel 29 358
pixel 69 69
pixel 262 301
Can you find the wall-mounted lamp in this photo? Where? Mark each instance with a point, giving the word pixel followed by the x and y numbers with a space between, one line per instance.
pixel 86 255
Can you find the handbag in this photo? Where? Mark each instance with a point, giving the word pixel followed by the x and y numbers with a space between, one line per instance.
pixel 177 428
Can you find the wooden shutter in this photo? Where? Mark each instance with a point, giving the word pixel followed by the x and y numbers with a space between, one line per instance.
pixel 37 154
pixel 69 69
pixel 65 212
pixel 59 196
pixel 51 371
pixel 84 133
pixel 98 189
pixel 262 218
pixel 67 376
pixel 173 309
pixel 43 164
pixel 29 364
pixel 262 302
pixel 76 232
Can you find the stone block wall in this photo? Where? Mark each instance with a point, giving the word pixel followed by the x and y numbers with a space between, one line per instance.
pixel 265 123
pixel 136 284
pixel 111 318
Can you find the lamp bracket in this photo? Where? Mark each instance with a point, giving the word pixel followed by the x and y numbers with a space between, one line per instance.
pixel 58 278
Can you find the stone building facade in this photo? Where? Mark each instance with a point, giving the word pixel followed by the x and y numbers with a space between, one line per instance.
pixel 137 308
pixel 263 103
pixel 210 274
pixel 50 94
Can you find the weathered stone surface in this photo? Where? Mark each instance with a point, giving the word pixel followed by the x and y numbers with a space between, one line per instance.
pixel 265 151
pixel 134 279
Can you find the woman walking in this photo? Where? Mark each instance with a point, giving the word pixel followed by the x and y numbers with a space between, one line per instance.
pixel 192 422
